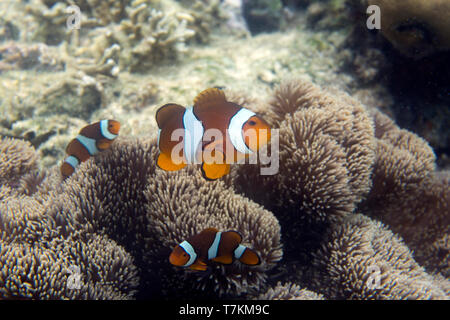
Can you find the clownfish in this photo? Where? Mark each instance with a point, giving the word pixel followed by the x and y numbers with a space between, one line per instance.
pixel 211 244
pixel 92 139
pixel 214 132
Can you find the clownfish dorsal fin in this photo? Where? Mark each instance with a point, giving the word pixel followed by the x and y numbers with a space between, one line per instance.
pixel 236 236
pixel 214 230
pixel 208 98
pixel 166 112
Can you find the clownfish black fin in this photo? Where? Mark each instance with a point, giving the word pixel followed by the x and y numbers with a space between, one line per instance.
pixel 166 112
pixel 208 98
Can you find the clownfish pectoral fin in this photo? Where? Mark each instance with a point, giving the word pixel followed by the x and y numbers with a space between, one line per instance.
pixel 250 257
pixel 208 98
pixel 103 144
pixel 167 112
pixel 217 168
pixel 166 163
pixel 215 171
pixel 226 259
pixel 199 266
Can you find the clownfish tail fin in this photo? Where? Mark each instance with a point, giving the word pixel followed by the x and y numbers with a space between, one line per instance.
pixel 167 112
pixel 247 256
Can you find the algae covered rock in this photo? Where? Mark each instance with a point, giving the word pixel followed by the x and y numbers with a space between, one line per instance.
pixel 263 15
pixel 415 27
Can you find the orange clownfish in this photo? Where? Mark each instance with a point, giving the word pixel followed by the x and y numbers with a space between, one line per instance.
pixel 93 138
pixel 211 244
pixel 214 132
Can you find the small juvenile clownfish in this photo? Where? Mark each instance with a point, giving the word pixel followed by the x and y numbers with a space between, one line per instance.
pixel 91 139
pixel 211 244
pixel 215 132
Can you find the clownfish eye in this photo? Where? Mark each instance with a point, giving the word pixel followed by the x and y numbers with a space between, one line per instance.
pixel 251 122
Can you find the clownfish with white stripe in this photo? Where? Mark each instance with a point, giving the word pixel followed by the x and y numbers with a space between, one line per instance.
pixel 214 132
pixel 92 139
pixel 211 244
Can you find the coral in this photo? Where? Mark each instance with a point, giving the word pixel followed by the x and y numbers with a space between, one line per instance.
pixel 50 23
pixel 8 30
pixel 404 169
pixel 289 291
pixel 263 15
pixel 152 212
pixel 16 159
pixel 416 28
pixel 78 95
pixel 203 17
pixel 24 57
pixel 148 36
pixel 118 216
pixel 36 260
pixel 155 210
pixel 326 151
pixel 362 259
pixel 42 272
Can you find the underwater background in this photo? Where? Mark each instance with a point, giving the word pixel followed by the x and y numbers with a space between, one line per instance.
pixel 359 208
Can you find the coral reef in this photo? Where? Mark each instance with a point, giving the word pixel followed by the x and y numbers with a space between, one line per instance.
pixel 405 169
pixel 416 28
pixel 263 15
pixel 24 57
pixel 289 291
pixel 313 223
pixel 326 151
pixel 373 175
pixel 17 158
pixel 142 222
pixel 357 250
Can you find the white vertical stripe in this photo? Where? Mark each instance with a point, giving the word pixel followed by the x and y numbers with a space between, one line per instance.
pixel 239 251
pixel 105 132
pixel 159 136
pixel 212 251
pixel 193 134
pixel 73 161
pixel 190 251
pixel 88 143
pixel 235 130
